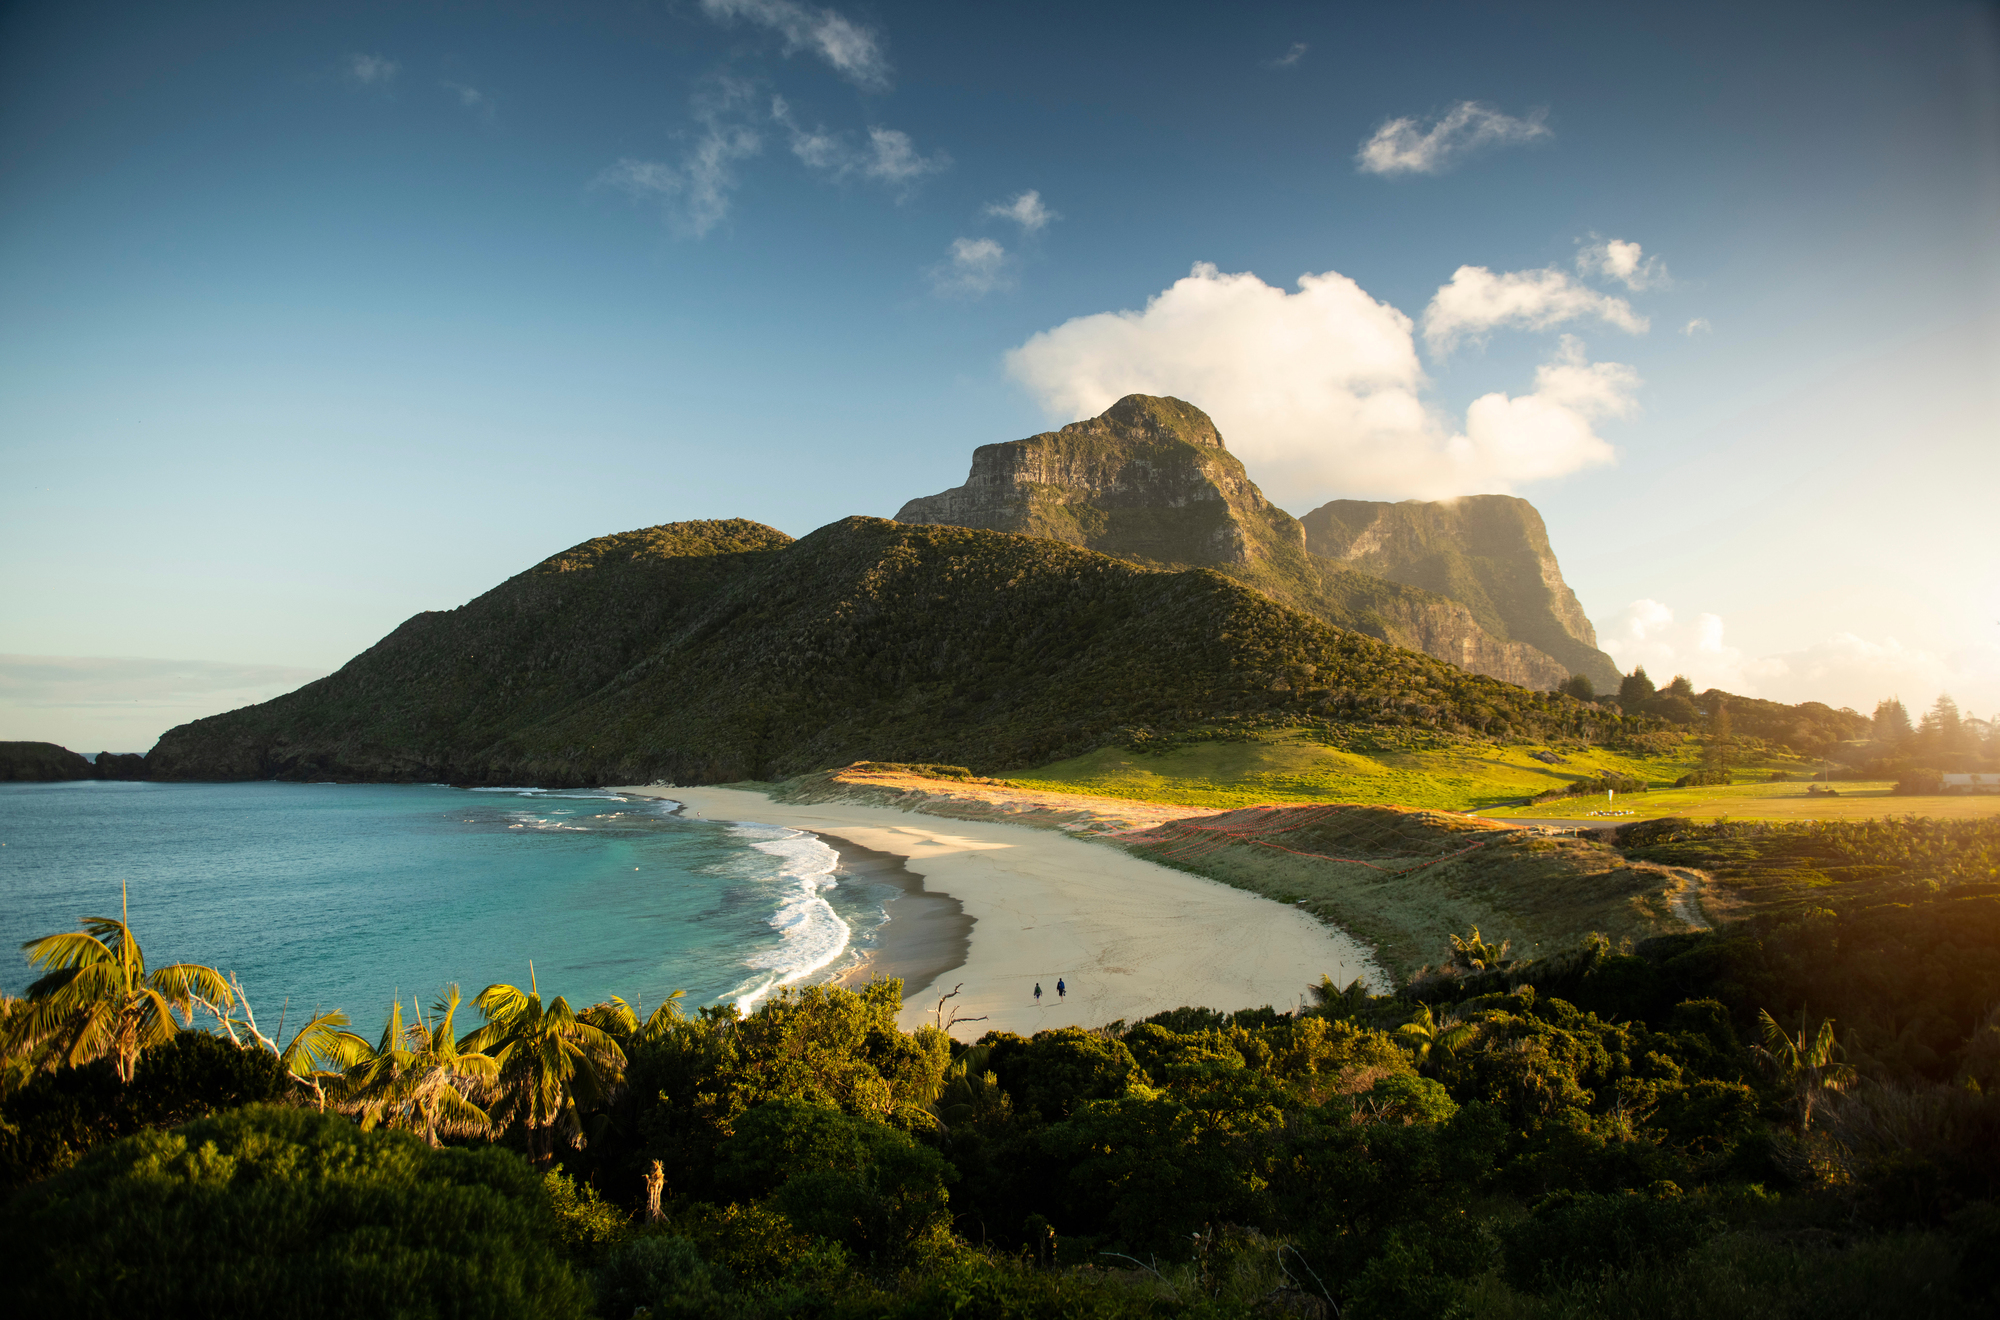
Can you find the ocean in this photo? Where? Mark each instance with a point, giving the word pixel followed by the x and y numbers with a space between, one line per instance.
pixel 323 896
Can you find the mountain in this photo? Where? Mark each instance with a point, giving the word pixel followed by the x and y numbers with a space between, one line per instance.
pixel 1491 553
pixel 1150 480
pixel 715 651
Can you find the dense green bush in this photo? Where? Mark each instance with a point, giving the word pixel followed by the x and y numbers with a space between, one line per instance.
pixel 273 1211
pixel 48 1124
pixel 1571 1237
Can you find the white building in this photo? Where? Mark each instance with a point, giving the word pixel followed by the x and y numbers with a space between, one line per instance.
pixel 1972 783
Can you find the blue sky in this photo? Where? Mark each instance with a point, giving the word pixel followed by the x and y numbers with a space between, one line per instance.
pixel 311 319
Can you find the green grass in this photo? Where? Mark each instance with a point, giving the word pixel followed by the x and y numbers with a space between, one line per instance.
pixel 1784 802
pixel 1301 766
pixel 1439 773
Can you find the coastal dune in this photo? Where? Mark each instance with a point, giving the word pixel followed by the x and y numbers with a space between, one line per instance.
pixel 1129 937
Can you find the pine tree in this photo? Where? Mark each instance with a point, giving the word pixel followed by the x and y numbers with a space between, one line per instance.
pixel 1636 689
pixel 1891 722
pixel 1719 736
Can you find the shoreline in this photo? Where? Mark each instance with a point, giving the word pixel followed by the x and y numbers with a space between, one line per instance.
pixel 926 934
pixel 1129 937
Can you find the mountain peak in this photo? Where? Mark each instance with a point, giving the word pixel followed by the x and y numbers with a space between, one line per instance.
pixel 1109 482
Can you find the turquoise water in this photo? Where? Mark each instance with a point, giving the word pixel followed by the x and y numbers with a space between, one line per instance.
pixel 344 896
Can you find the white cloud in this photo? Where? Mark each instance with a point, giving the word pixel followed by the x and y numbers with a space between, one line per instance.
pixel 1402 146
pixel 1625 262
pixel 976 266
pixel 1698 326
pixel 372 70
pixel 472 98
pixel 893 158
pixel 890 156
pixel 1477 300
pixel 1026 211
pixel 697 189
pixel 853 50
pixel 1647 633
pixel 1840 670
pixel 1321 391
pixel 1290 57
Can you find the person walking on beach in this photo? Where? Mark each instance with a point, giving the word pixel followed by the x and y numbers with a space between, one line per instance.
pixel 1038 992
pixel 1062 991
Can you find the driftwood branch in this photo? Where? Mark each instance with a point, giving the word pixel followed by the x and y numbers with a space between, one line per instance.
pixel 947 1023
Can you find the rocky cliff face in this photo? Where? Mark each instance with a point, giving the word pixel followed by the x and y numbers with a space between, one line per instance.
pixel 1151 481
pixel 1489 552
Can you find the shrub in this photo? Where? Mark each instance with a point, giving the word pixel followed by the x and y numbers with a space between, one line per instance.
pixel 58 1117
pixel 1921 782
pixel 1570 1237
pixel 270 1211
pixel 1704 779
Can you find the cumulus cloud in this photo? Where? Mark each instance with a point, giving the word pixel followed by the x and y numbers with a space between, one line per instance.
pixel 1026 211
pixel 1406 146
pixel 1614 258
pixel 1477 301
pixel 890 155
pixel 975 267
pixel 1646 633
pixel 372 70
pixel 1698 326
pixel 1321 391
pixel 851 49
pixel 1290 57
pixel 1841 670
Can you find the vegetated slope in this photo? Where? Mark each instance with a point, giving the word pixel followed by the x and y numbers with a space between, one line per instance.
pixel 868 639
pixel 446 683
pixel 1489 552
pixel 1151 481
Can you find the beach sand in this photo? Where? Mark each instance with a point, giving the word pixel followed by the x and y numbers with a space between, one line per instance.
pixel 1130 937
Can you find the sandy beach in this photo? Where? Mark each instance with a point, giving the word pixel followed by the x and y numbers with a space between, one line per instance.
pixel 1128 937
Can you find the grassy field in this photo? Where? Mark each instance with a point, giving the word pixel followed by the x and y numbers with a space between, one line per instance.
pixel 1453 775
pixel 1301 767
pixel 1856 801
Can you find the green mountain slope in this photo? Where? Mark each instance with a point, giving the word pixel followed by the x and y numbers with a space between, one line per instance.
pixel 1151 481
pixel 1489 552
pixel 706 652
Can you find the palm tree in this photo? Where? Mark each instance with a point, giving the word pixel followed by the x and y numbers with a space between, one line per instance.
pixel 620 1020
pixel 419 1076
pixel 320 1051
pixel 549 1058
pixel 97 998
pixel 1810 1062
pixel 1426 1032
pixel 1476 955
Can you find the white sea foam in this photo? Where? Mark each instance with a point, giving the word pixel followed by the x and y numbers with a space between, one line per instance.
pixel 810 933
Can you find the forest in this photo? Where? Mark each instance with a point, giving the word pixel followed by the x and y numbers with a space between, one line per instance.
pixel 1797 1113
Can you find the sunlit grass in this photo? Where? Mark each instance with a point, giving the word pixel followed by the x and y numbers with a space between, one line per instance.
pixel 1766 801
pixel 1472 776
pixel 1300 767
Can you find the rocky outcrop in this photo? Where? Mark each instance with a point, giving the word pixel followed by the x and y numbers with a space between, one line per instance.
pixel 41 762
pixel 1150 480
pixel 119 765
pixel 1491 553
